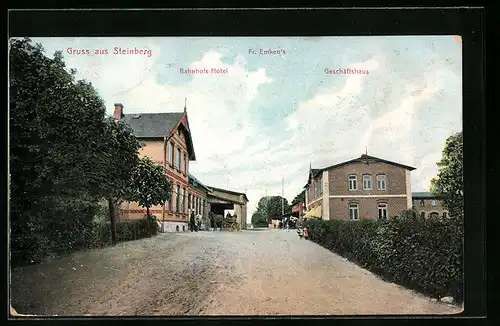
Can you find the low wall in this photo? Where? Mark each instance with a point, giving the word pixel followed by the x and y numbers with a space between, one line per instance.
pixel 175 227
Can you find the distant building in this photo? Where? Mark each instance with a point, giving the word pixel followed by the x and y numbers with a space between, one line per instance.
pixel 221 199
pixel 367 187
pixel 299 209
pixel 426 204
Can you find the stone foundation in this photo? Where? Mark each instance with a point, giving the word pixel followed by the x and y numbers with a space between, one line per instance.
pixel 175 227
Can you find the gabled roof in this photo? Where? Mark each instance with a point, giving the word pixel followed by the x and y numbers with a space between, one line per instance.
pixel 230 192
pixel 314 172
pixel 152 125
pixel 158 125
pixel 195 182
pixel 423 195
pixel 368 157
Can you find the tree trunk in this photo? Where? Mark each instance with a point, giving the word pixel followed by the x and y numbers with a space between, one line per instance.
pixel 112 220
pixel 147 218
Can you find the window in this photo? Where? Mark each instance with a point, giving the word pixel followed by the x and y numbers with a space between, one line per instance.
pixel 202 207
pixel 170 203
pixel 381 182
pixel 189 201
pixel 422 203
pixel 353 212
pixel 177 195
pixel 183 200
pixel 196 207
pixel 353 182
pixel 171 155
pixel 185 164
pixel 182 163
pixel 445 215
pixel 178 159
pixel 367 182
pixel 422 215
pixel 382 211
pixel 433 203
pixel 433 215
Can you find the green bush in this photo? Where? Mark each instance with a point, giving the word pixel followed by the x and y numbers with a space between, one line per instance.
pixel 53 226
pixel 130 230
pixel 423 255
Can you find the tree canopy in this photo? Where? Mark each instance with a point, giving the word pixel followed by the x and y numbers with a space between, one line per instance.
pixel 150 186
pixel 65 155
pixel 269 208
pixel 449 182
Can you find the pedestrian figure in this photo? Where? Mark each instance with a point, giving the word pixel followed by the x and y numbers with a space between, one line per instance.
pixel 192 222
pixel 306 234
pixel 198 226
pixel 300 233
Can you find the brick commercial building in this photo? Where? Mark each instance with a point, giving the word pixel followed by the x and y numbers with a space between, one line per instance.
pixel 428 205
pixel 363 188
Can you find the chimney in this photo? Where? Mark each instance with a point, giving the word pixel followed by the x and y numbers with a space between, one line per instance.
pixel 118 111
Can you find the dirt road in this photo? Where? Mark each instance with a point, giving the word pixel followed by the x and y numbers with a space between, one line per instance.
pixel 269 272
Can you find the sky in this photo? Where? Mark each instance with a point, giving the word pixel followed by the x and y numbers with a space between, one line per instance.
pixel 272 116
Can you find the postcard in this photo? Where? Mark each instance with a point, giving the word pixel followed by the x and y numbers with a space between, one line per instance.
pixel 229 176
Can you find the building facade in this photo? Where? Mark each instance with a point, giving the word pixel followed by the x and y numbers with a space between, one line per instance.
pixel 299 209
pixel 363 188
pixel 197 200
pixel 221 199
pixel 428 205
pixel 166 139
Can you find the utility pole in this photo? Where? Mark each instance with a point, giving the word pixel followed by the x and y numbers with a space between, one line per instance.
pixel 282 196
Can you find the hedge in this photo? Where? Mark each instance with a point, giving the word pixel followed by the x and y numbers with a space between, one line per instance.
pixel 54 237
pixel 423 255
pixel 53 226
pixel 130 230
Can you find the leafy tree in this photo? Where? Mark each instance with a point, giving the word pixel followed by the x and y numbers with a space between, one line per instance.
pixel 65 156
pixel 55 124
pixel 269 208
pixel 150 186
pixel 258 219
pixel 449 182
pixel 119 158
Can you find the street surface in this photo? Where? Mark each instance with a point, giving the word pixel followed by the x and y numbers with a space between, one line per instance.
pixel 252 272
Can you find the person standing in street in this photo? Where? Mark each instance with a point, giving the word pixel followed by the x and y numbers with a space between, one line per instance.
pixel 192 222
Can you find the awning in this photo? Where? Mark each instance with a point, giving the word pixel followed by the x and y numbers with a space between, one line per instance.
pixel 314 213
